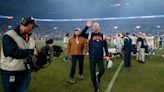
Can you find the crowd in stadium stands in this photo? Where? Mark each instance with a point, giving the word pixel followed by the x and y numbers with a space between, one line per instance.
pixel 56 30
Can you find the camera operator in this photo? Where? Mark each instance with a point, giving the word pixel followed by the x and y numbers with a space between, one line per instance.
pixel 17 44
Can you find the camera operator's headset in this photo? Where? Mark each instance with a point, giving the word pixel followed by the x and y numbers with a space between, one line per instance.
pixel 25 21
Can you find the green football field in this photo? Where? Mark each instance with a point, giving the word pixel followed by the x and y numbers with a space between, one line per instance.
pixel 148 77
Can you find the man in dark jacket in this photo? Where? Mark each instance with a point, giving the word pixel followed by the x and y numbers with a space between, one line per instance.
pixel 127 50
pixel 17 44
pixel 96 53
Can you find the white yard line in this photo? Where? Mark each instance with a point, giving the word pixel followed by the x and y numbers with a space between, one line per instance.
pixel 114 78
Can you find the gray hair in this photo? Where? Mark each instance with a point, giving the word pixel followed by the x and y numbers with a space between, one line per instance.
pixel 96 24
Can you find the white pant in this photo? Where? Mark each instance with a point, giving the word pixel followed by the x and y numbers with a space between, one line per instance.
pixel 141 54
pixel 119 48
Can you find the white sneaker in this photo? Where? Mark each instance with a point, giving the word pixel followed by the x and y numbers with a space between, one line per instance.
pixel 163 55
pixel 72 81
pixel 97 73
pixel 81 77
pixel 97 79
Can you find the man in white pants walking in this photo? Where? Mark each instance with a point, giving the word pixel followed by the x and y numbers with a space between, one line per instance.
pixel 141 49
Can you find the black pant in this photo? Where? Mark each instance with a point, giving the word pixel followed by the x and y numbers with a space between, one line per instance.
pixel 127 59
pixel 92 64
pixel 76 58
pixel 134 49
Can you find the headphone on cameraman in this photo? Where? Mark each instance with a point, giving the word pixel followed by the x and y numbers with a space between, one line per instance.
pixel 25 21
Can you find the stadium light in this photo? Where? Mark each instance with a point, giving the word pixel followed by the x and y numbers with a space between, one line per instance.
pixel 138 27
pixel 158 26
pixel 109 18
pixel 55 28
pixel 9 17
pixel 115 27
pixel 9 27
pixel 115 5
pixel 6 17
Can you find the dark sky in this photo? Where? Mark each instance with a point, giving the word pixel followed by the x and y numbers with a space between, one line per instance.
pixel 60 9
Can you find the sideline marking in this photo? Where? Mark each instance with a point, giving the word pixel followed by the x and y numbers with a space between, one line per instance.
pixel 114 78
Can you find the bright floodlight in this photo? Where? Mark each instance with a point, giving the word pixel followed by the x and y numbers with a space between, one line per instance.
pixel 115 27
pixel 9 17
pixel 158 26
pixel 138 27
pixel 9 27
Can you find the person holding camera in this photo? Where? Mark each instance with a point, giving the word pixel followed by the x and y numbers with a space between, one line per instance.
pixel 17 45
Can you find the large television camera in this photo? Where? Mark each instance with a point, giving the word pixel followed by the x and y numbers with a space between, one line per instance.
pixel 44 57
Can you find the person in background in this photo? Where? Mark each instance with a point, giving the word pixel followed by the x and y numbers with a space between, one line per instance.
pixel 160 40
pixel 127 50
pixel 17 45
pixel 141 49
pixel 119 44
pixel 151 44
pixel 134 41
pixel 65 43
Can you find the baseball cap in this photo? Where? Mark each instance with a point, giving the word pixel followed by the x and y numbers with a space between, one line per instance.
pixel 77 29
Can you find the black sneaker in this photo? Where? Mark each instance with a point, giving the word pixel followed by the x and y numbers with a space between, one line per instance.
pixel 96 90
pixel 139 61
pixel 142 62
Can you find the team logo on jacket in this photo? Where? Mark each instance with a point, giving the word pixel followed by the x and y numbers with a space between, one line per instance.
pixel 97 38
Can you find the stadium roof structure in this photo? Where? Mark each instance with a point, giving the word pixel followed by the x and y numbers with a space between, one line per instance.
pixel 77 9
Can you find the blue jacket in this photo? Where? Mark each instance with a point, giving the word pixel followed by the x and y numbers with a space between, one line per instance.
pixel 127 45
pixel 11 49
pixel 96 44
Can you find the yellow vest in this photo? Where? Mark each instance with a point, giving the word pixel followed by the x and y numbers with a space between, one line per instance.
pixel 10 63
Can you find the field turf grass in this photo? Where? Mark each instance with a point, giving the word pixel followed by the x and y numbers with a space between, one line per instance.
pixel 148 77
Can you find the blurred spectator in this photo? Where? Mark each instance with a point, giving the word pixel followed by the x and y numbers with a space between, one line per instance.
pixel 65 43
